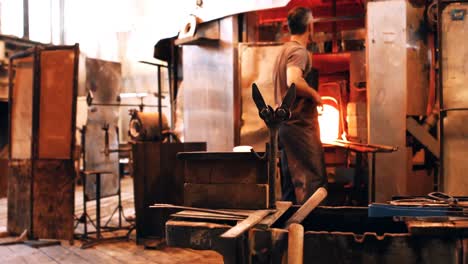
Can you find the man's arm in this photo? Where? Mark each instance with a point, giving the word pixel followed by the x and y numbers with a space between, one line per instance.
pixel 294 75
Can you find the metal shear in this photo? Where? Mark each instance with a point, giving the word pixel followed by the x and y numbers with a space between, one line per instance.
pixel 443 197
pixel 433 199
pixel 273 119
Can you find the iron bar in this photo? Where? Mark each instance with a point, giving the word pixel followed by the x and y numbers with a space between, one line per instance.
pixel 444 110
pixel 154 64
pixel 114 104
pixel 272 160
pixel 160 103
pixel 205 210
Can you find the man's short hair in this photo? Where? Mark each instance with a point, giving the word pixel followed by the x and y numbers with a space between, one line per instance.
pixel 298 20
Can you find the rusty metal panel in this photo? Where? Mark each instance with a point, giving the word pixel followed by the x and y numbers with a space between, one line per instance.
pixel 52 215
pixel 455 95
pixel 22 107
pixel 3 92
pixel 57 93
pixel 418 66
pixel 209 83
pixel 103 78
pixel 19 196
pixel 256 61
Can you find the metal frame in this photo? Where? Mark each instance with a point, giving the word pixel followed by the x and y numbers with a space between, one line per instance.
pixel 158 65
pixel 83 219
pixel 35 52
pixel 89 241
pixel 19 55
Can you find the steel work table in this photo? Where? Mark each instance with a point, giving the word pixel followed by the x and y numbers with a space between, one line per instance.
pixel 362 149
pixel 332 235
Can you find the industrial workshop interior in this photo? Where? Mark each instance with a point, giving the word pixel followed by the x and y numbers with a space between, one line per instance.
pixel 239 132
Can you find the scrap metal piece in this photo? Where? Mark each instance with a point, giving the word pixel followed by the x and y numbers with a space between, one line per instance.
pixel 196 209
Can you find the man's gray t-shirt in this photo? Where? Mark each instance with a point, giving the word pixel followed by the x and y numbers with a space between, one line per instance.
pixel 293 54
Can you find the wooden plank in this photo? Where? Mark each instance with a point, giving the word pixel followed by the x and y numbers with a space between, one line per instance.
pixel 123 254
pixel 30 255
pixel 281 208
pixel 62 255
pixel 53 210
pixel 92 255
pixel 10 257
pixel 246 224
pixel 157 255
pixel 19 197
pixel 228 196
pixel 5 251
pixel 164 254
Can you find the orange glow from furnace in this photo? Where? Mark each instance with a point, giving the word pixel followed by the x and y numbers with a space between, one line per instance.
pixel 329 121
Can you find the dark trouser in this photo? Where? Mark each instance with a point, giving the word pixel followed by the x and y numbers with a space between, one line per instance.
pixel 302 160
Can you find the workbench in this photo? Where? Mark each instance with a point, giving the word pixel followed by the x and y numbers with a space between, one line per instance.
pixel 361 150
pixel 332 235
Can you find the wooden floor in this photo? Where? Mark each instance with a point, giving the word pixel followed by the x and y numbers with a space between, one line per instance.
pixel 117 252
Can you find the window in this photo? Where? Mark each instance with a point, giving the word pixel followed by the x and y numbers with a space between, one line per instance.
pixel 11 17
pixel 40 20
pixel 44 21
